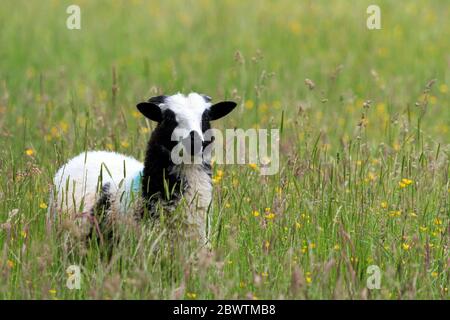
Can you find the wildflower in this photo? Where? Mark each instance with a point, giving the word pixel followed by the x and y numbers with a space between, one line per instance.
pixel 242 284
pixel 270 216
pixel 295 27
pixel 312 245
pixel 297 225
pixel 433 100
pixel 264 274
pixel 254 166
pixel 249 104
pixel 413 214
pixel 437 221
pixel 336 247
pixel 308 277
pixel 191 295
pixel 423 228
pixel 29 152
pixel 395 213
pixel 396 146
pixel 381 108
pixel 227 205
pixel 255 213
pixel 144 130
pixel 384 205
pixel 43 205
pixel 278 190
pixel 267 244
pixel 405 182
pixel 405 246
pixel 371 176
pixel 52 292
pixel 219 173
pixel 24 234
pixel 434 274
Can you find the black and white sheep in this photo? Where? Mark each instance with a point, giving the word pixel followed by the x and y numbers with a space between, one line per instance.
pixel 116 182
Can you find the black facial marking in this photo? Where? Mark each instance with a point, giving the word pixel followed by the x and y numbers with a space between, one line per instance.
pixel 159 174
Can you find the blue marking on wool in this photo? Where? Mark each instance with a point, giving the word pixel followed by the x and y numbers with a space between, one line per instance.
pixel 136 183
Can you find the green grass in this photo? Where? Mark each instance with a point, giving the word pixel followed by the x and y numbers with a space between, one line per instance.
pixel 337 202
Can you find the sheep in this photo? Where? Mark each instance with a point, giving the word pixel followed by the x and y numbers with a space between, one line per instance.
pixel 118 184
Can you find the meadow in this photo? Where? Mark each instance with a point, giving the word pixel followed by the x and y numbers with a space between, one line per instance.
pixel 364 117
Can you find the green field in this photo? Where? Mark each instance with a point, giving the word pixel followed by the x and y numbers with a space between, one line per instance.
pixel 365 145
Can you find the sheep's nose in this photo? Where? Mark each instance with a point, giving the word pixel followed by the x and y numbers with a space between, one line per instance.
pixel 193 142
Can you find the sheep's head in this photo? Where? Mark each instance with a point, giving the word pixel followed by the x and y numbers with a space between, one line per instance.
pixel 184 119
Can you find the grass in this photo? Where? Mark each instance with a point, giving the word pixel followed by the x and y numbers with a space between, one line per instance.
pixel 364 173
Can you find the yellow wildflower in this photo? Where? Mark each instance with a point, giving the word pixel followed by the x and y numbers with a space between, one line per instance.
pixel 395 213
pixel 29 152
pixel 270 216
pixel 249 104
pixel 255 213
pixel 405 182
pixel 254 166
pixel 384 205
pixel 10 264
pixel 144 130
pixel 308 277
pixel 191 295
pixel 406 246
pixel 43 205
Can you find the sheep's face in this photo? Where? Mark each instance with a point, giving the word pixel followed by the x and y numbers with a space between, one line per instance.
pixel 184 119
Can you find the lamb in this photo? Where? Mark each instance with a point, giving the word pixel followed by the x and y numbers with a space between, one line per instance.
pixel 118 184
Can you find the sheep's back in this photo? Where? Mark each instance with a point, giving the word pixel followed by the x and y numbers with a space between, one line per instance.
pixel 78 182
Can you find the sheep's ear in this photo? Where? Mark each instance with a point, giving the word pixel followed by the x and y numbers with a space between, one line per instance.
pixel 221 109
pixel 150 110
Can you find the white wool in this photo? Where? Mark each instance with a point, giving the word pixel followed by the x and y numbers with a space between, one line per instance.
pixel 188 112
pixel 198 196
pixel 78 181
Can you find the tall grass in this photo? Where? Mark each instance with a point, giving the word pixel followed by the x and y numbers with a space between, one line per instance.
pixel 364 174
